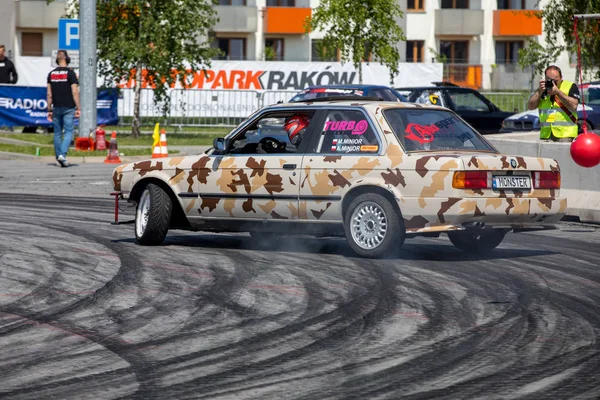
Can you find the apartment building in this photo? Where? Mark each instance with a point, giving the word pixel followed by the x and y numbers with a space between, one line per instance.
pixel 272 30
pixel 29 27
pixel 478 40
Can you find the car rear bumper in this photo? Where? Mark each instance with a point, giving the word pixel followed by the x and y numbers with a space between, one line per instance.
pixel 445 214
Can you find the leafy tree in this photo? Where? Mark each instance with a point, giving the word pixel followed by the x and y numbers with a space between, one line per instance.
pixel 557 16
pixel 359 27
pixel 154 42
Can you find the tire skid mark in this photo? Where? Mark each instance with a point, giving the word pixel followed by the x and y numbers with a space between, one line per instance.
pixel 331 339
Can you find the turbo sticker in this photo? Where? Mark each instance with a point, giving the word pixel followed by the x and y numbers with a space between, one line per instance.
pixel 357 127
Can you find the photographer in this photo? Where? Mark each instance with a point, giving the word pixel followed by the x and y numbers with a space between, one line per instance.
pixel 557 101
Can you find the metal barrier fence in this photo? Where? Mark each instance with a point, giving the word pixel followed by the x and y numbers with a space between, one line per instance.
pixel 195 107
pixel 227 108
pixel 508 101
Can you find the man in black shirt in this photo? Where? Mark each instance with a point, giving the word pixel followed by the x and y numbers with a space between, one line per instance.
pixel 63 105
pixel 8 73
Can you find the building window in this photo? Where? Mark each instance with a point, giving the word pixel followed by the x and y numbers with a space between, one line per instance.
pixel 232 48
pixel 415 5
pixel 32 44
pixel 511 5
pixel 508 52
pixel 456 51
pixel 455 3
pixel 232 2
pixel 320 53
pixel 414 50
pixel 281 3
pixel 274 49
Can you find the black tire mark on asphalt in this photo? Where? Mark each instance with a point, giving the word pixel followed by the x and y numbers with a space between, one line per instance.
pixel 513 327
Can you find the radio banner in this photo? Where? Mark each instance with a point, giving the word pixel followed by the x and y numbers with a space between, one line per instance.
pixel 27 106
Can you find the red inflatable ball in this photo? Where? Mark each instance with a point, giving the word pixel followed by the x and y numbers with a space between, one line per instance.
pixel 585 150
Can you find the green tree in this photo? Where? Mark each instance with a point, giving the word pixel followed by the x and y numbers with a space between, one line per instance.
pixel 154 42
pixel 359 27
pixel 557 17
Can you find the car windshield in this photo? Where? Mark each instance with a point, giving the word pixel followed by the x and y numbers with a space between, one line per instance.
pixel 313 93
pixel 433 130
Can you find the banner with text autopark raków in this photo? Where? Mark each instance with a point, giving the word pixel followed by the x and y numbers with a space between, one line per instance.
pixel 27 106
pixel 238 88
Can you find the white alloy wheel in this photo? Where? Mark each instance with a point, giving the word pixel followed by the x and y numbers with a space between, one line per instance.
pixel 142 213
pixel 369 225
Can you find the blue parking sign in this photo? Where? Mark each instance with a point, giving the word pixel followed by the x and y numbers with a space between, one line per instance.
pixel 68 34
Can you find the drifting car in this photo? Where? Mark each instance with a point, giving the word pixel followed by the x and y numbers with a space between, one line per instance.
pixel 313 92
pixel 371 171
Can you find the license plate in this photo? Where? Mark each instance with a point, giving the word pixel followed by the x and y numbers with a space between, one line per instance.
pixel 511 182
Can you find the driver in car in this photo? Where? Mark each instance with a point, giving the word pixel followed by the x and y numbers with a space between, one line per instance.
pixel 295 126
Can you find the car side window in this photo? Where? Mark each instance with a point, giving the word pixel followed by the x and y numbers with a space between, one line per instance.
pixel 467 101
pixel 347 131
pixel 430 97
pixel 267 135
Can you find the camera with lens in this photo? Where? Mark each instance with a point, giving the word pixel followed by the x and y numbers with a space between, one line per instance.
pixel 549 84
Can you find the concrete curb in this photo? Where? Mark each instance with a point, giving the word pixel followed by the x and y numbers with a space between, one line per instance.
pixel 581 186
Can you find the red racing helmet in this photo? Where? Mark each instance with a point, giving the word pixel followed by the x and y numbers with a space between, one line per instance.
pixel 294 126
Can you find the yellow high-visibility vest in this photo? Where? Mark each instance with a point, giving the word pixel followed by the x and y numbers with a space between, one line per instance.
pixel 554 120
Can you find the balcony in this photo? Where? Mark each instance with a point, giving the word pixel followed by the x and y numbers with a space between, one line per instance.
pixel 510 77
pixel 463 75
pixel 236 19
pixel 37 14
pixel 286 20
pixel 459 22
pixel 517 23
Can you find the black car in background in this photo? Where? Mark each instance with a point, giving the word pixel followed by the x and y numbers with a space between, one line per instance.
pixel 471 105
pixel 385 93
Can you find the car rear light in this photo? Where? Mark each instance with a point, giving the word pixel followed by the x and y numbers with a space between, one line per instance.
pixel 471 180
pixel 546 180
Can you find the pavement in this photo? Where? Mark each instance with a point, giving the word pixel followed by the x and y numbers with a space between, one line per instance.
pixel 86 313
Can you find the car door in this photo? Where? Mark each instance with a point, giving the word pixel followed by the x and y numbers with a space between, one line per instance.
pixel 254 179
pixel 342 153
pixel 477 111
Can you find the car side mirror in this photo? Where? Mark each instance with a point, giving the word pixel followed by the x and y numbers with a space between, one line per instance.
pixel 220 145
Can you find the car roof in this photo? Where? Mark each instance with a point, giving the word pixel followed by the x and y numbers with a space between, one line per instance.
pixel 348 86
pixel 369 104
pixel 434 88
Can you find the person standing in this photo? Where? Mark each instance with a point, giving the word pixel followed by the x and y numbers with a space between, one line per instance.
pixel 8 72
pixel 63 105
pixel 556 100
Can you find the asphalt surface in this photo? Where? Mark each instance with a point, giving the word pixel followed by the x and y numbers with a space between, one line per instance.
pixel 86 313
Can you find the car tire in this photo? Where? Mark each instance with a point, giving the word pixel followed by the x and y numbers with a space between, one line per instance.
pixel 373 227
pixel 153 215
pixel 477 242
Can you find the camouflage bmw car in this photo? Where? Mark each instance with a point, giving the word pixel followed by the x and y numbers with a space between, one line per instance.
pixel 375 172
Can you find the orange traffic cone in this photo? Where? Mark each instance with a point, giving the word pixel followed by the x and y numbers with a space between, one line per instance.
pixel 160 150
pixel 113 152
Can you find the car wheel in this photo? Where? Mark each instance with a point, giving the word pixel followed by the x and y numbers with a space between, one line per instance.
pixel 477 242
pixel 153 215
pixel 373 226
